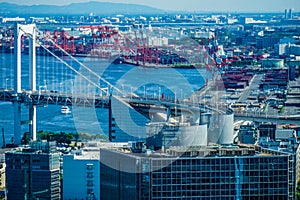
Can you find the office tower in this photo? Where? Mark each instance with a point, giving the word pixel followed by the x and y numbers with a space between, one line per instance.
pixel 290 14
pixel 211 172
pixel 33 172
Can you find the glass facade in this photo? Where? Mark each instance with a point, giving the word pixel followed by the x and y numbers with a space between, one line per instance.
pixel 260 176
pixel 32 175
pixel 221 178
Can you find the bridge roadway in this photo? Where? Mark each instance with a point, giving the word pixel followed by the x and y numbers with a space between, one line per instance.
pixel 41 98
pixel 138 103
pixel 273 119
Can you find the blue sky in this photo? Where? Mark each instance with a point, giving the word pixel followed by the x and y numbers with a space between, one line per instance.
pixel 192 5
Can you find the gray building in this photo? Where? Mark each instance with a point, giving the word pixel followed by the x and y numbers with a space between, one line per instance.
pixel 33 172
pixel 266 42
pixel 247 134
pixel 212 172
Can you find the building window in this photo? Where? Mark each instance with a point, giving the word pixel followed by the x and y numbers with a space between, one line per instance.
pixel 89 183
pixel 90 191
pixel 89 166
pixel 89 175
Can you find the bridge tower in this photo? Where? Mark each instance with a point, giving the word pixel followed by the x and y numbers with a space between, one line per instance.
pixel 19 31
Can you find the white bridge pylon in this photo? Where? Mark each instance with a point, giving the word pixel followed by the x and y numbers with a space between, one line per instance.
pixel 31 31
pixel 19 31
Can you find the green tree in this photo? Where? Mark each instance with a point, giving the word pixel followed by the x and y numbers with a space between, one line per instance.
pixel 298 191
pixel 26 138
pixel 61 137
pixel 76 135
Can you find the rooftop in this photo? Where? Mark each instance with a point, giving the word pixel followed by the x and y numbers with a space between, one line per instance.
pixel 85 155
pixel 198 151
pixel 92 151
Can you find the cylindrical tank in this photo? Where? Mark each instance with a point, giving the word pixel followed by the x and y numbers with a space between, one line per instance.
pixel 193 135
pixel 226 129
pixel 204 118
pixel 160 134
pixel 220 129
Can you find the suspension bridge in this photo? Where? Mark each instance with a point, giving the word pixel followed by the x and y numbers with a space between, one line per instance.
pixel 88 88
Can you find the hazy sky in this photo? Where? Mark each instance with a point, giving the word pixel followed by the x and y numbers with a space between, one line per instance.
pixel 191 5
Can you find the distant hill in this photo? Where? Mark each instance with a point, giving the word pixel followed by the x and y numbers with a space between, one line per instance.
pixel 97 8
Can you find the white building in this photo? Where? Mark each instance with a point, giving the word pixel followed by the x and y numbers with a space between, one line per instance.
pixel 2 176
pixel 81 171
pixel 157 41
pixel 281 49
pixel 81 175
pixel 13 19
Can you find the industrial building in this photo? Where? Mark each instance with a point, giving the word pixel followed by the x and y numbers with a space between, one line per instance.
pixel 208 172
pixel 208 129
pixel 33 171
pixel 272 63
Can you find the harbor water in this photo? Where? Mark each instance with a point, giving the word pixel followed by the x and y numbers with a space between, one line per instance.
pixel 54 76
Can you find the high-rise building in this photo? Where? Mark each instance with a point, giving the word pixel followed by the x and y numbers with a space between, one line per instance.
pixel 211 172
pixel 266 42
pixel 33 172
pixel 290 14
pixel 120 124
pixel 81 175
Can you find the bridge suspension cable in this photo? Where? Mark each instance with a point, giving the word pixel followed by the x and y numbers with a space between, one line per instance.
pixel 82 65
pixel 72 68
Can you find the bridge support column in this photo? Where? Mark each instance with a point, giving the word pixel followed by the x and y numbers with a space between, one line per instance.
pixel 19 31
pixel 17 123
pixel 110 120
pixel 32 60
pixel 168 114
pixel 32 124
pixel 17 51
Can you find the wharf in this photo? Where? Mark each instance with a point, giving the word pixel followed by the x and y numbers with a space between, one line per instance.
pixel 154 65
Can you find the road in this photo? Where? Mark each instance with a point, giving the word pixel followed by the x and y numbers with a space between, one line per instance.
pixel 254 85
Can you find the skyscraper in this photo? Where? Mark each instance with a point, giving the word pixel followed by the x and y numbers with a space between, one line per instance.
pixel 212 172
pixel 33 172
pixel 290 14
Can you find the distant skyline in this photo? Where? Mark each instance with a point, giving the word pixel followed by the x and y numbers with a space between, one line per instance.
pixel 190 5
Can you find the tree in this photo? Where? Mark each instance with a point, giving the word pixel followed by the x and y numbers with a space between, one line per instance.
pixel 298 190
pixel 61 137
pixel 76 138
pixel 26 138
